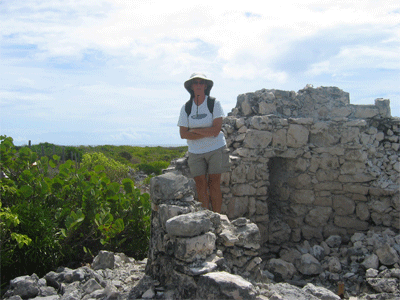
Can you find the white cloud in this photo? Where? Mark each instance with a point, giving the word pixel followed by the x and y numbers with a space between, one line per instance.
pixel 359 57
pixel 96 64
pixel 250 71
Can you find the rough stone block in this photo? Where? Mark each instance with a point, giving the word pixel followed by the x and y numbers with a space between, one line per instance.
pixel 297 136
pixel 281 269
pixel 257 139
pixel 222 285
pixel 349 222
pixel 343 205
pixel 170 186
pixel 195 248
pixel 318 216
pixel 190 224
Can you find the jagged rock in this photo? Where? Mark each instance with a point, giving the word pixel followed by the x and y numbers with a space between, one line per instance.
pixel 334 265
pixel 334 241
pixel 281 269
pixel 25 286
pixel 318 252
pixel 189 225
pixel 104 260
pixel 286 291
pixel 371 262
pixel 384 285
pixel 195 248
pixel 387 255
pixel 320 293
pixel 222 285
pixel 309 265
pixel 170 186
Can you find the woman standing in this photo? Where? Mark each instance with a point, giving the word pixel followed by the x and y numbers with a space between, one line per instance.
pixel 200 124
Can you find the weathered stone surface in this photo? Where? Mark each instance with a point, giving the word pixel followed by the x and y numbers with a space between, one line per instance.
pixel 189 225
pixel 334 265
pixel 222 285
pixel 167 212
pixel 257 138
pixel 387 255
pixel 371 262
pixel 348 222
pixel 170 186
pixel 343 205
pixel 319 216
pixel 25 286
pixel 309 265
pixel 105 260
pixel 285 291
pixel 384 285
pixel 195 248
pixel 282 269
pixel 319 292
pixel 334 241
pixel 248 236
pixel 279 232
pixel 297 136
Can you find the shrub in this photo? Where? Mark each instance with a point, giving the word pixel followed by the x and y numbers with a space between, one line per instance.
pixel 155 167
pixel 47 221
pixel 126 155
pixel 115 170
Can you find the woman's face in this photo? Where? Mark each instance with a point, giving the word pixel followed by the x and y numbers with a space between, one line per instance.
pixel 199 86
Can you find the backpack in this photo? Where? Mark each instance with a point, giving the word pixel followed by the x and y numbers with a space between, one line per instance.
pixel 210 105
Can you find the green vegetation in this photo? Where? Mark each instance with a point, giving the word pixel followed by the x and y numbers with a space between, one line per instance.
pixel 113 169
pixel 56 213
pixel 147 159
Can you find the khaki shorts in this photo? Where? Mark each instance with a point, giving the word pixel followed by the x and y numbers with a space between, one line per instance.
pixel 214 162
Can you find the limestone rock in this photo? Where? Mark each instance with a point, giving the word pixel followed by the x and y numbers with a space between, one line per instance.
pixel 281 269
pixel 170 186
pixel 387 255
pixel 189 225
pixel 309 265
pixel 104 260
pixel 222 285
pixel 194 248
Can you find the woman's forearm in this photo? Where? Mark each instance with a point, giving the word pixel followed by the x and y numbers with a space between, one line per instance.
pixel 212 131
pixel 199 133
pixel 189 135
pixel 206 132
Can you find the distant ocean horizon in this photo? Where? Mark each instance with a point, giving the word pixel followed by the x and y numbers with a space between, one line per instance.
pixel 117 145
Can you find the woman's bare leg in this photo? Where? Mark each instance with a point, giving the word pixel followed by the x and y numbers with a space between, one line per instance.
pixel 202 190
pixel 214 185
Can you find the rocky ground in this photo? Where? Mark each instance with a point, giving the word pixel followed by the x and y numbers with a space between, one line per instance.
pixel 116 276
pixel 365 268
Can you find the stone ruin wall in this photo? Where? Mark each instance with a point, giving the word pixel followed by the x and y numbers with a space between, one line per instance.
pixel 308 165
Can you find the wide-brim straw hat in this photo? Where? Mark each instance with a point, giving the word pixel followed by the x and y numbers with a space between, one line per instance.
pixel 188 82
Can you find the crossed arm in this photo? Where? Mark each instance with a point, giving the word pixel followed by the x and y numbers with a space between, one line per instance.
pixel 199 133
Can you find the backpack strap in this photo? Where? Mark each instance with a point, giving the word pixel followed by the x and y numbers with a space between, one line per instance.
pixel 188 106
pixel 210 104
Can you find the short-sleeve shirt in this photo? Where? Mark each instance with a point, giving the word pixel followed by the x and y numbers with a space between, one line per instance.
pixel 201 117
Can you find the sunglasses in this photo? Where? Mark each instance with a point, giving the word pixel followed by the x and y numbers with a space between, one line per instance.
pixel 198 81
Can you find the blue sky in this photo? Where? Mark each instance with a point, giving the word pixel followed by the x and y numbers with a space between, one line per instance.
pixel 92 72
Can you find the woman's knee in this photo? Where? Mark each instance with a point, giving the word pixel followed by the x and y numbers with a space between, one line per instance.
pixel 201 181
pixel 214 181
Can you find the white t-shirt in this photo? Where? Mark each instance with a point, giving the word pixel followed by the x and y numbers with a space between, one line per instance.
pixel 201 117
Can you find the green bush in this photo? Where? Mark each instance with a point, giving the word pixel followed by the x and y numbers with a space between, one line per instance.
pixel 47 221
pixel 155 167
pixel 115 170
